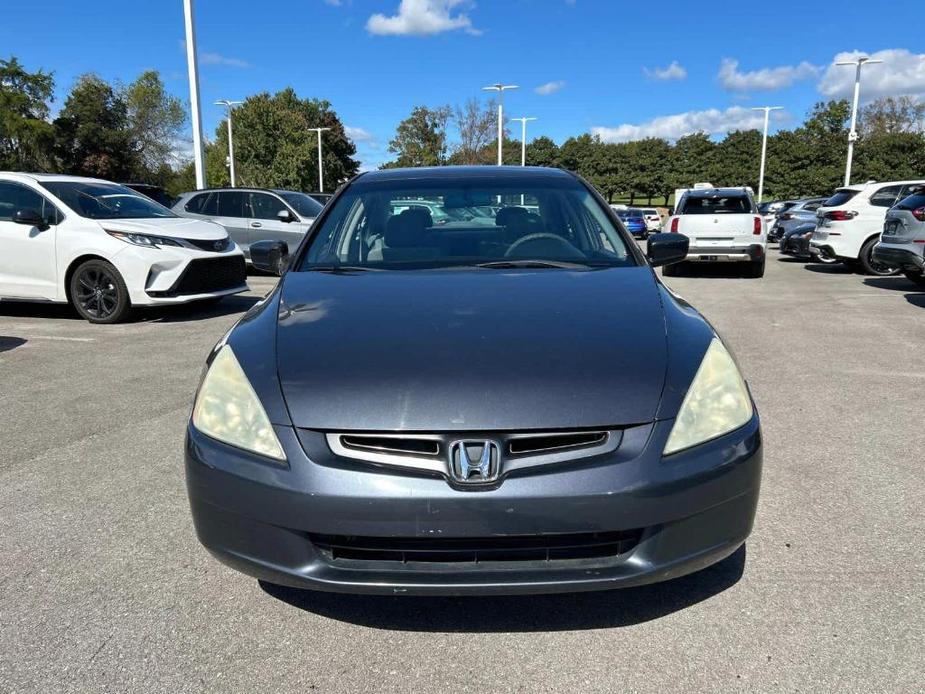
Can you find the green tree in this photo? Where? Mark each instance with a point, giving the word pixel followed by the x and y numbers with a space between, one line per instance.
pixel 25 133
pixel 693 160
pixel 92 134
pixel 274 147
pixel 542 151
pixel 893 114
pixel 155 120
pixel 737 160
pixel 421 139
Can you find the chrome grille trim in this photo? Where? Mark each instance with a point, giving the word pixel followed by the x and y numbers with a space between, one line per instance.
pixel 350 445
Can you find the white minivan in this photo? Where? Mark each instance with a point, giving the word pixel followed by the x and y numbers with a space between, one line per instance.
pixel 723 225
pixel 105 248
pixel 850 222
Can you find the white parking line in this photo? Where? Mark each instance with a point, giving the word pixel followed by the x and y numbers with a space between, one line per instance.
pixel 56 338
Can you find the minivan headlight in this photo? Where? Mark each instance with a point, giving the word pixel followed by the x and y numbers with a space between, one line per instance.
pixel 145 240
pixel 228 409
pixel 716 403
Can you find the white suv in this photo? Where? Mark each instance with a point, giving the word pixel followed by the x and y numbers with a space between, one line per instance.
pixel 105 248
pixel 850 223
pixel 653 219
pixel 723 225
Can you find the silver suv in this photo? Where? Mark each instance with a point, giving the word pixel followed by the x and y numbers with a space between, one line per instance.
pixel 253 214
pixel 902 243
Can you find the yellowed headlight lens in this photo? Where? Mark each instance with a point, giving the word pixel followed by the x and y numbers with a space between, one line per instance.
pixel 228 409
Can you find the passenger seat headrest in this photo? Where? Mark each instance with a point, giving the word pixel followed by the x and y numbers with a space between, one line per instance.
pixel 510 215
pixel 407 229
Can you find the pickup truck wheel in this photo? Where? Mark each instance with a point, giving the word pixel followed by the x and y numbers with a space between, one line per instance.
pixel 871 266
pixel 915 277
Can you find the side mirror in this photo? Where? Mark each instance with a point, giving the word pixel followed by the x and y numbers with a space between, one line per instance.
pixel 30 217
pixel 284 216
pixel 665 249
pixel 270 256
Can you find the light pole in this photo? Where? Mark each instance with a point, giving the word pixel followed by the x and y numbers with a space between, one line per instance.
pixel 320 167
pixel 523 139
pixel 853 133
pixel 764 146
pixel 193 67
pixel 230 106
pixel 500 89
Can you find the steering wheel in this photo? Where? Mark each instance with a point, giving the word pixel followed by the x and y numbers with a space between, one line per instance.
pixel 542 236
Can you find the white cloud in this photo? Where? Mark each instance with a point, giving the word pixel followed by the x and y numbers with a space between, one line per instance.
pixel 765 79
pixel 675 71
pixel 901 73
pixel 421 18
pixel 712 121
pixel 550 87
pixel 359 134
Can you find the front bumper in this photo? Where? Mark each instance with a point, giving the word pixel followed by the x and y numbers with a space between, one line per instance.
pixel 719 254
pixel 897 256
pixel 678 515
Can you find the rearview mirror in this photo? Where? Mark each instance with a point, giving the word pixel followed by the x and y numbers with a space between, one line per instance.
pixel 30 217
pixel 270 256
pixel 665 249
pixel 284 216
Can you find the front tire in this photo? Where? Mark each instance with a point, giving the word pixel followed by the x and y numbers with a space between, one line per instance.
pixel 98 293
pixel 871 266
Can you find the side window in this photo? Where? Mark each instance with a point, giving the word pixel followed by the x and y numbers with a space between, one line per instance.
pixel 232 204
pixel 812 206
pixel 196 203
pixel 885 197
pixel 264 206
pixel 14 196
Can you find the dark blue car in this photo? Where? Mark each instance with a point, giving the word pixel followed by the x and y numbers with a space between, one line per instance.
pixel 635 222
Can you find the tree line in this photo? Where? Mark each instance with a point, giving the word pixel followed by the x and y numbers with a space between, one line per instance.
pixel 806 161
pixel 137 132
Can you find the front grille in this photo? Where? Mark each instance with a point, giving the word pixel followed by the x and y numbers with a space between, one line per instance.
pixel 209 275
pixel 544 443
pixel 518 548
pixel 409 445
pixel 213 245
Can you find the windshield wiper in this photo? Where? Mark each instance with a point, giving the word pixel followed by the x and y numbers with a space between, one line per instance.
pixel 340 268
pixel 507 264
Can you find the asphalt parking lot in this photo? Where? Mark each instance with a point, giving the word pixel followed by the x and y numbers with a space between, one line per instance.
pixel 104 587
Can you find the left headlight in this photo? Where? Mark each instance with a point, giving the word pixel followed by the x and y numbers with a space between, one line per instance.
pixel 145 240
pixel 228 409
pixel 716 403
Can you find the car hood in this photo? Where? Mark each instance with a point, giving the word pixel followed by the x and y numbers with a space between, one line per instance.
pixel 173 227
pixel 471 349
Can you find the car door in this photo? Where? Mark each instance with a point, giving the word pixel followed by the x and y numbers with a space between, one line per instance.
pixel 232 212
pixel 265 224
pixel 28 262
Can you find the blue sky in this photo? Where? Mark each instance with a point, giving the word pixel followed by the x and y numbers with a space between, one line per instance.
pixel 621 70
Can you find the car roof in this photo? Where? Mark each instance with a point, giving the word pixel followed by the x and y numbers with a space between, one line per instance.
pixel 477 172
pixel 713 192
pixel 39 177
pixel 237 189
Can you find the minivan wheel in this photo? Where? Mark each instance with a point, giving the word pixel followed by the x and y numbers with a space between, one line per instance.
pixel 916 277
pixel 755 269
pixel 871 266
pixel 98 292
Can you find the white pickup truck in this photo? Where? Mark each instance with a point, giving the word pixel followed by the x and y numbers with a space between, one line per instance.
pixel 723 225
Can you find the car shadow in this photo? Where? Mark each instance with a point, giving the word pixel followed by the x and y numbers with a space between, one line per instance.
pixel 916 300
pixel 521 613
pixel 8 343
pixel 194 311
pixel 712 270
pixel 32 309
pixel 829 268
pixel 897 283
pixel 791 259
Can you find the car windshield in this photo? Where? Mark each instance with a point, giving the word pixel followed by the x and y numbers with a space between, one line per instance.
pixel 304 204
pixel 716 204
pixel 405 224
pixel 105 201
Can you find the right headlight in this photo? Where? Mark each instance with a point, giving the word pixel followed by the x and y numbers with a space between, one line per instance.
pixel 228 409
pixel 716 403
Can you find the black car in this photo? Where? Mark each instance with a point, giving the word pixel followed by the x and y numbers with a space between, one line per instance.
pixel 795 242
pixel 156 193
pixel 464 408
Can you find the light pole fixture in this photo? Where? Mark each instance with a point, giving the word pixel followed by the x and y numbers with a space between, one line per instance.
pixel 764 145
pixel 853 133
pixel 192 65
pixel 523 138
pixel 500 89
pixel 320 167
pixel 229 105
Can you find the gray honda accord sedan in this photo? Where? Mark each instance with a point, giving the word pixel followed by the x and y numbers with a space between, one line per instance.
pixel 471 380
